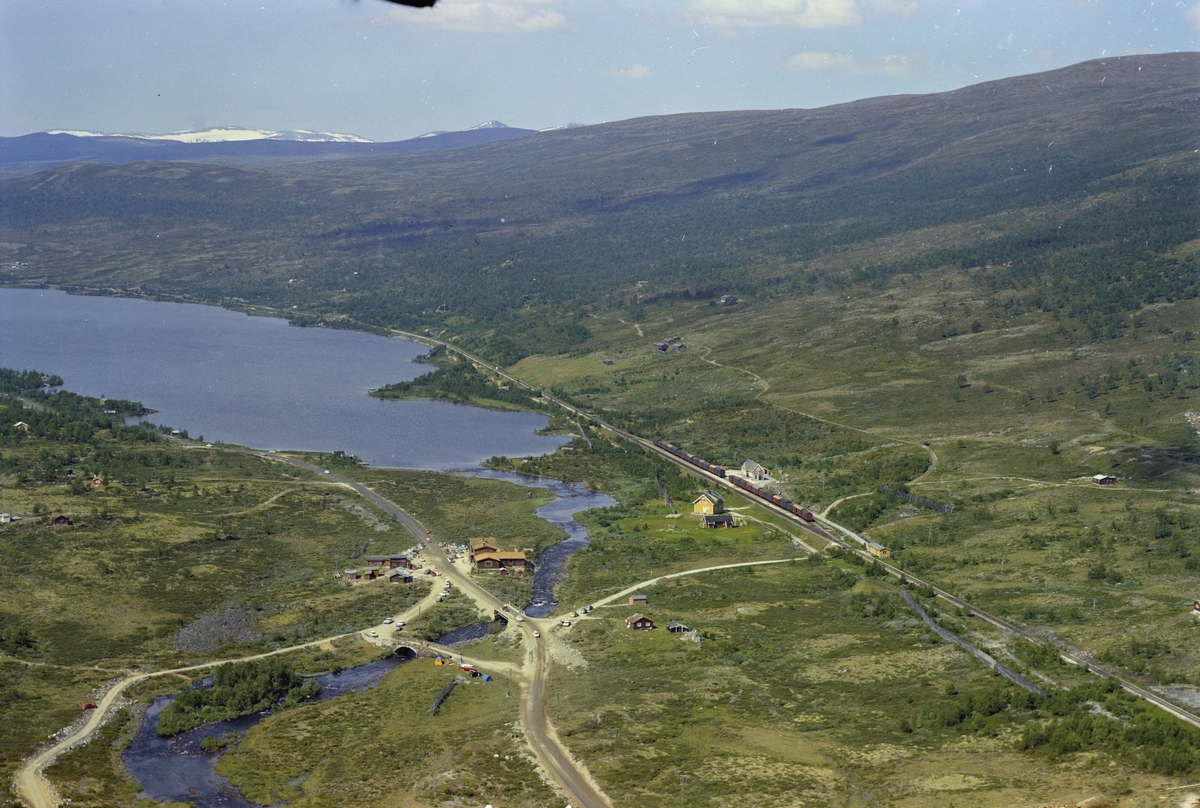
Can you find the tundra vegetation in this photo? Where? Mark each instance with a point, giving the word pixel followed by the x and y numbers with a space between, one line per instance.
pixel 1024 320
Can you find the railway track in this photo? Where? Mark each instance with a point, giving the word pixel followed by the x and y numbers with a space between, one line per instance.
pixel 1073 657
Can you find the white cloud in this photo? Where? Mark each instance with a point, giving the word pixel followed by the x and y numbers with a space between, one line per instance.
pixel 728 14
pixel 848 63
pixel 635 72
pixel 1192 15
pixel 901 8
pixel 483 16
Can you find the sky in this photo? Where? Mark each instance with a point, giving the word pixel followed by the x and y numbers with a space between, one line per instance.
pixel 387 72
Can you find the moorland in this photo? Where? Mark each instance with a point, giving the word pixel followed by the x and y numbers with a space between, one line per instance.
pixel 981 298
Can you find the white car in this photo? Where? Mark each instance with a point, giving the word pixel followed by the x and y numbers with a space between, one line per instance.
pixel 566 624
pixel 399 624
pixel 537 634
pixel 387 621
pixel 520 619
pixel 374 634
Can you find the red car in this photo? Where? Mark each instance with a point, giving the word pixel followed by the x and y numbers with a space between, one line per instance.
pixel 88 705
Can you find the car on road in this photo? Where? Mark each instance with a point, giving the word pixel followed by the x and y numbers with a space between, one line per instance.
pixel 566 624
pixel 399 624
pixel 520 619
pixel 374 634
pixel 387 621
pixel 440 598
pixel 537 634
pixel 427 531
pixel 326 471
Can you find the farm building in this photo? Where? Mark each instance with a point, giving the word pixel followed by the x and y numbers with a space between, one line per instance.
pixel 1104 479
pixel 639 622
pixel 638 600
pixel 719 520
pixel 878 550
pixel 753 471
pixel 500 560
pixel 675 627
pixel 709 503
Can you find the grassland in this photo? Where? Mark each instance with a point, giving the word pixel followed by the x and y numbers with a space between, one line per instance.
pixel 383 747
pixel 810 685
pixel 186 554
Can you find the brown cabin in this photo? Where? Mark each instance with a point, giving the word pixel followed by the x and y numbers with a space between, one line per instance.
pixel 61 519
pixel 639 622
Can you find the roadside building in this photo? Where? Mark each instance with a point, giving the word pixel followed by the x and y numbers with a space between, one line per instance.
pixel 500 560
pixel 710 502
pixel 878 550
pixel 639 622
pixel 370 573
pixel 480 547
pixel 753 471
pixel 638 600
pixel 1104 479
pixel 718 520
pixel 399 576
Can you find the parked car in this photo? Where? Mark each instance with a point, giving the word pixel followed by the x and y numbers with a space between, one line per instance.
pixel 537 634
pixel 88 705
pixel 374 634
pixel 387 621
pixel 566 624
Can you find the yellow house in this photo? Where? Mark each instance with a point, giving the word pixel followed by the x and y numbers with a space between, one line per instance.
pixel 709 503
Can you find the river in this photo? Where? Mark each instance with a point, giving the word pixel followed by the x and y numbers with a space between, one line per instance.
pixel 176 769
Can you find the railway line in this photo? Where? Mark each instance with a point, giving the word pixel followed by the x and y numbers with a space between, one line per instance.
pixel 1074 657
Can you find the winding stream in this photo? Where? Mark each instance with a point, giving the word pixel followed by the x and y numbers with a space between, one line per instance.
pixel 176 769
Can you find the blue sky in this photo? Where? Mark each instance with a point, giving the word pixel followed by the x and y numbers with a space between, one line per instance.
pixel 387 72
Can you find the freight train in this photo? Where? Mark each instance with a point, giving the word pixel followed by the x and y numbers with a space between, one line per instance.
pixel 745 485
pixel 690 458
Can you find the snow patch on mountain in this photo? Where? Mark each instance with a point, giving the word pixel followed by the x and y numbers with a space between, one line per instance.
pixel 225 134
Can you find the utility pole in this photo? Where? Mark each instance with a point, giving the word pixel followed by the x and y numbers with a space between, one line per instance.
pixel 1093 608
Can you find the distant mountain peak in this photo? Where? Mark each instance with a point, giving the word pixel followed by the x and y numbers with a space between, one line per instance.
pixel 225 134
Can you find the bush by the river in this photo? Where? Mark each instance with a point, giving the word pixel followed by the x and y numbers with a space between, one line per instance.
pixel 239 688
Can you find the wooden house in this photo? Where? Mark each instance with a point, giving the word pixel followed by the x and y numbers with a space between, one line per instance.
pixel 710 502
pixel 1104 479
pixel 399 576
pixel 639 622
pixel 878 550
pixel 371 573
pixel 501 561
pixel 675 627
pixel 21 425
pixel 717 520
pixel 481 546
pixel 350 575
pixel 638 600
pixel 61 519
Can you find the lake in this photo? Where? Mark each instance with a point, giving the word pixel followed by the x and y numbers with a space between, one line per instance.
pixel 256 381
